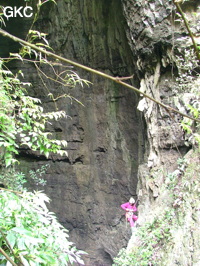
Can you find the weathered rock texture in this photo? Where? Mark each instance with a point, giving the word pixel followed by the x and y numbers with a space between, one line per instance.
pixel 156 41
pixel 107 137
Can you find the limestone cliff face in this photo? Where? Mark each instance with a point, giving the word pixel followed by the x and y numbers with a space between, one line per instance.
pixel 106 137
pixel 111 145
pixel 158 41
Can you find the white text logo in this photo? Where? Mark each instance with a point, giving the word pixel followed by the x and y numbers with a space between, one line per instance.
pixel 13 12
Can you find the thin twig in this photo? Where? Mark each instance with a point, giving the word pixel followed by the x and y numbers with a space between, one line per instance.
pixel 7 257
pixel 124 78
pixel 115 79
pixel 45 86
pixel 55 80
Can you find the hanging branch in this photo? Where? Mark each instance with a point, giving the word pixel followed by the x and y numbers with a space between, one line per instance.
pixel 115 79
pixel 196 49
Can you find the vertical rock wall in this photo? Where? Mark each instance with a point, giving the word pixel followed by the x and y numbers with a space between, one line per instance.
pixel 158 41
pixel 105 137
pixel 155 36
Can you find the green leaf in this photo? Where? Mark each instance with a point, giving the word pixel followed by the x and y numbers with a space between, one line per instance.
pixel 16 55
pixel 25 262
pixel 21 244
pixel 8 162
pixel 11 239
pixel 22 230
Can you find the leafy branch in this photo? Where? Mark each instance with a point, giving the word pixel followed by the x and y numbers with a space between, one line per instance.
pixel 115 79
pixel 12 251
pixel 31 234
pixel 23 121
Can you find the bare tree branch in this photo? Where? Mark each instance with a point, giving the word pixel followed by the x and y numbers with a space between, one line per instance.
pixel 7 257
pixel 115 79
pixel 196 49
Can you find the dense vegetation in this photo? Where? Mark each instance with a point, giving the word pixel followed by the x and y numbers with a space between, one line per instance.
pixel 29 233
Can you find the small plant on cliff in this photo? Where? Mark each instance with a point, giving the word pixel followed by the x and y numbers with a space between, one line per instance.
pixel 36 176
pixel 15 180
pixel 189 95
pixel 186 186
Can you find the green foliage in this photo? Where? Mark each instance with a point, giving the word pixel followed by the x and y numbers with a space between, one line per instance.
pixel 186 63
pixel 36 176
pixel 189 94
pixel 172 179
pixel 192 132
pixel 13 180
pixel 16 180
pixel 152 237
pixel 66 77
pixel 184 184
pixel 2 21
pixel 186 191
pixel 124 259
pixel 30 234
pixel 23 120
